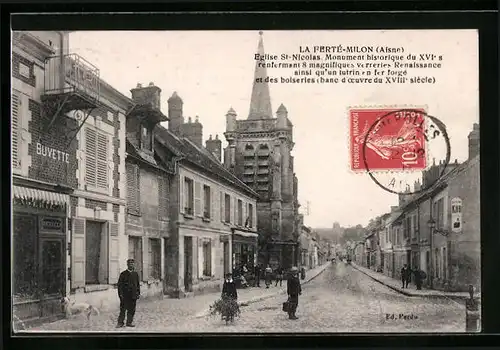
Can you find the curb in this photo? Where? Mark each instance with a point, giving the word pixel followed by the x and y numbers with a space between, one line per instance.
pixel 258 299
pixel 409 294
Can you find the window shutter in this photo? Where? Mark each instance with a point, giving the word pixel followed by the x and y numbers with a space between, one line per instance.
pixel 222 208
pixel 198 210
pixel 132 187
pixel 182 203
pixel 78 254
pixel 114 256
pixel 200 256
pixel 214 199
pixel 244 215
pixel 147 258
pixel 102 161
pixel 235 210
pixel 212 257
pixel 16 130
pixel 90 156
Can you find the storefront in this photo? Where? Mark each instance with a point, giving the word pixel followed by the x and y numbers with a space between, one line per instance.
pixel 244 247
pixel 39 242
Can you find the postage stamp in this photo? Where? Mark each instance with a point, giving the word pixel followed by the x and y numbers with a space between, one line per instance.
pixel 387 139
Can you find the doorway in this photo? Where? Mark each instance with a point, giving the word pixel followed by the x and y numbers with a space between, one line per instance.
pixel 188 264
pixel 92 251
pixel 52 274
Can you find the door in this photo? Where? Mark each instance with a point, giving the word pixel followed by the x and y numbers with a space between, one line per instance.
pixel 52 274
pixel 226 258
pixel 188 263
pixel 92 251
pixel 428 266
pixel 408 258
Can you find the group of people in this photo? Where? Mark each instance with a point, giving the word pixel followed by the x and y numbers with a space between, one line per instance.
pixel 129 290
pixel 407 272
pixel 294 288
pixel 268 275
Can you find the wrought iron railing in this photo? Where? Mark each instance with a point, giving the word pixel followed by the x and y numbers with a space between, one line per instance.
pixel 72 73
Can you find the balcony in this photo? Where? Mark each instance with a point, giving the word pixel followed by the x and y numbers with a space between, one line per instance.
pixel 71 83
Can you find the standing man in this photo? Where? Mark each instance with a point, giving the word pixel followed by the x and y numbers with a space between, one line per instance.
pixel 129 290
pixel 404 275
pixel 279 276
pixel 293 289
pixel 257 275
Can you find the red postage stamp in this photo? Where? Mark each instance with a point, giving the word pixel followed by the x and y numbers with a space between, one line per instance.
pixel 387 139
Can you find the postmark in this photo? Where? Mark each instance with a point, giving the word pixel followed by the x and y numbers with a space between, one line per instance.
pixel 395 145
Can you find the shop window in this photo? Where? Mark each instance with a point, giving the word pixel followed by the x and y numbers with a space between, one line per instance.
pixel 227 206
pixel 96 257
pixel 154 258
pixel 135 252
pixel 240 212
pixel 96 154
pixel 24 267
pixel 207 259
pixel 188 196
pixel 206 202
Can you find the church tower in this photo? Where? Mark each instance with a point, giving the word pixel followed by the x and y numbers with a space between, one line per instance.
pixel 259 153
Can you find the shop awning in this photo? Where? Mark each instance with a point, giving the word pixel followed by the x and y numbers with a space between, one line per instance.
pixel 246 234
pixel 39 198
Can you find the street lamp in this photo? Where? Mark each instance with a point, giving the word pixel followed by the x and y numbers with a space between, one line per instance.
pixel 432 225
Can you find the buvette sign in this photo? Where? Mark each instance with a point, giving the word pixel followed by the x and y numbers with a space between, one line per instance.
pixel 52 153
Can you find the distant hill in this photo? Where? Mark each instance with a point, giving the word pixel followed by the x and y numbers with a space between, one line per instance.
pixel 340 234
pixel 329 234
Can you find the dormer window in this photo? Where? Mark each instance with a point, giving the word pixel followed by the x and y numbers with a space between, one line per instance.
pixel 146 138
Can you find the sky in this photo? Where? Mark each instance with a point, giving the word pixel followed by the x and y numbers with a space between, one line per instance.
pixel 212 71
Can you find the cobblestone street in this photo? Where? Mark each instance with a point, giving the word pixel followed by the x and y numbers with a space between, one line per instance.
pixel 341 299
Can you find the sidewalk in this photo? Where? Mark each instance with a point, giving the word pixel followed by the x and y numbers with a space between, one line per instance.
pixel 396 285
pixel 254 294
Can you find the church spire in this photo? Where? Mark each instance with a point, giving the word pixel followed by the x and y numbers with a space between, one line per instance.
pixel 260 104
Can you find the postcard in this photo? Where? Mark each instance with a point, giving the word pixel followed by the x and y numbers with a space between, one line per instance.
pixel 246 181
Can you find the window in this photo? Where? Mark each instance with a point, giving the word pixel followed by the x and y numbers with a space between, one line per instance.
pixel 227 206
pixel 250 215
pixel 407 227
pixel 16 129
pixel 415 226
pixel 240 212
pixel 207 258
pixel 96 254
pixel 188 196
pixel 133 188
pixel 96 166
pixel 154 258
pixel 135 252
pixel 438 209
pixel 146 139
pixel 206 202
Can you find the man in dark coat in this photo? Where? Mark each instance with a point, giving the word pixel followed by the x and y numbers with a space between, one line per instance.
pixel 257 274
pixel 405 275
pixel 418 277
pixel 129 290
pixel 293 289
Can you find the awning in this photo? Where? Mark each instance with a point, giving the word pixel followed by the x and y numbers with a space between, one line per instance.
pixel 246 234
pixel 39 198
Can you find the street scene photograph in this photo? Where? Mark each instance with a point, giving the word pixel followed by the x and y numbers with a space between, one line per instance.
pixel 245 181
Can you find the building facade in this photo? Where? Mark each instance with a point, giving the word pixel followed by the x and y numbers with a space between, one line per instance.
pixel 259 154
pixel 148 191
pixel 213 215
pixel 438 229
pixel 68 163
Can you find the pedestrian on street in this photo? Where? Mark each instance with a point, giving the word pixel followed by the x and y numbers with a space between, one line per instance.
pixel 405 275
pixel 293 289
pixel 230 297
pixel 229 287
pixel 257 274
pixel 268 275
pixel 279 276
pixel 419 276
pixel 129 290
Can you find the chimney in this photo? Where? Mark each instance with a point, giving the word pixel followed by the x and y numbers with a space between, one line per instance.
pixel 193 131
pixel 214 146
pixel 175 113
pixel 149 95
pixel 474 141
